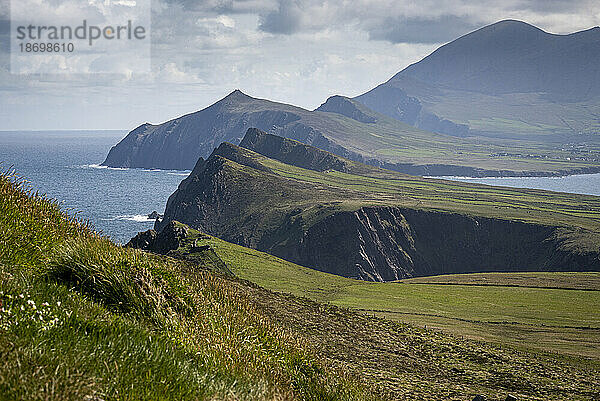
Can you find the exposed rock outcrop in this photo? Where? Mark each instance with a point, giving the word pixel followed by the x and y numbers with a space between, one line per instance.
pixel 347 107
pixel 155 215
pixel 168 239
pixel 291 152
pixel 179 241
pixel 143 240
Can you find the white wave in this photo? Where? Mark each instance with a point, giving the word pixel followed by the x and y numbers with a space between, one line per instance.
pixel 140 218
pixel 99 166
pixel 146 170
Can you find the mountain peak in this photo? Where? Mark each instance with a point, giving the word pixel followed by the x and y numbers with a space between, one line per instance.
pixel 237 94
pixel 347 107
pixel 512 24
pixel 513 56
pixel 506 31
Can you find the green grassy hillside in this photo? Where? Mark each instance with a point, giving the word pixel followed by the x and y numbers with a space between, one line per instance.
pixel 555 312
pixel 378 186
pixel 82 318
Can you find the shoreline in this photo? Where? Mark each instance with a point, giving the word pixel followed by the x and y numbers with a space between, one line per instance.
pixel 449 170
pixel 501 177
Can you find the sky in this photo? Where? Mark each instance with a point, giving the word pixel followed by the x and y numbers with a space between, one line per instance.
pixel 294 51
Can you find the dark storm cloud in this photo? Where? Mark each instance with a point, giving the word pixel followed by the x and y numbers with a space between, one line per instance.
pixel 423 22
pixel 392 21
pixel 225 6
pixel 421 30
pixel 285 20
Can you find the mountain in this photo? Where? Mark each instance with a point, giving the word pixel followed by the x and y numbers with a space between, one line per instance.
pixel 332 214
pixel 346 128
pixel 178 143
pixel 509 79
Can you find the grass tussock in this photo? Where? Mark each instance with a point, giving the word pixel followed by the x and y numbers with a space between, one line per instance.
pixel 124 280
pixel 84 319
pixel 32 224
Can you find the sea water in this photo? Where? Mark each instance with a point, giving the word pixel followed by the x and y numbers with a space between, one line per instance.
pixel 65 165
pixel 579 184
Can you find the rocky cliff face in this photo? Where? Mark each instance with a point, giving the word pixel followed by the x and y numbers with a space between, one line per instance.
pixel 393 102
pixel 388 243
pixel 233 196
pixel 292 152
pixel 168 239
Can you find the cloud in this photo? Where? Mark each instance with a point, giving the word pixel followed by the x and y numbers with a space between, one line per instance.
pixel 170 73
pixel 392 21
pixel 295 51
pixel 287 19
pixel 421 30
pixel 426 21
pixel 223 6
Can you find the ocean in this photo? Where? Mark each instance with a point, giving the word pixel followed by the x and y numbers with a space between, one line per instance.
pixel 65 165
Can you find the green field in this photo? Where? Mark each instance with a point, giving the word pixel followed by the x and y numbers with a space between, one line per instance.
pixel 557 280
pixel 514 309
pixel 378 186
pixel 394 142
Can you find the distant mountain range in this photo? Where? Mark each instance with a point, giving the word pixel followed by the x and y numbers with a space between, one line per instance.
pixel 508 79
pixel 449 114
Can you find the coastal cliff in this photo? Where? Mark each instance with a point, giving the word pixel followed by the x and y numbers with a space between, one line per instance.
pixel 243 196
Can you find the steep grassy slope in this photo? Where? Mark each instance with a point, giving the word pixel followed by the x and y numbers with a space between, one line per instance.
pixel 82 318
pixel 343 127
pixel 545 312
pixel 358 221
pixel 505 80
